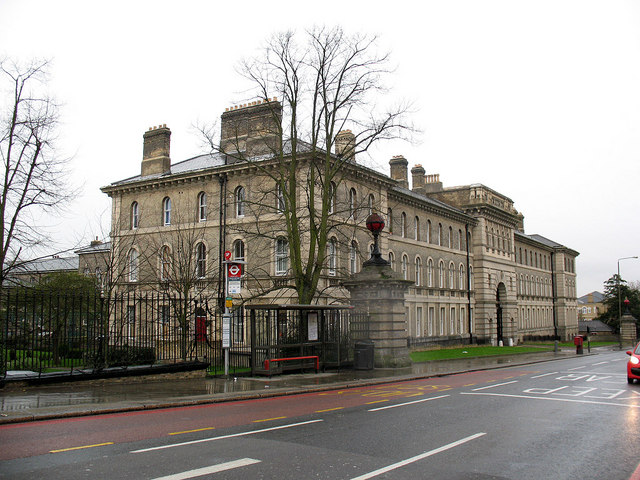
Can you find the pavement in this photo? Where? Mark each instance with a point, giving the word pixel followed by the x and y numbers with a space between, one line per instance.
pixel 92 398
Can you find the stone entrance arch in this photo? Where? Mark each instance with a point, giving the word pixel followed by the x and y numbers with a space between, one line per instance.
pixel 501 297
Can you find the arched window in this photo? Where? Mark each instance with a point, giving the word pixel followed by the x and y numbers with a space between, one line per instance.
pixel 238 250
pixel 135 215
pixel 133 265
pixel 450 237
pixel 427 234
pixel 418 272
pixel 403 225
pixel 460 244
pixel 166 211
pixel 282 256
pixel 240 201
pixel 370 201
pixel 405 267
pixel 333 257
pixel 353 202
pixel 521 285
pixel 461 277
pixel 165 263
pixel 353 257
pixel 440 239
pixel 430 273
pixel 416 228
pixel 441 274
pixel 202 207
pixel 452 280
pixel 201 260
pixel 392 261
pixel 332 197
pixel 452 321
pixel 390 219
pixel 280 203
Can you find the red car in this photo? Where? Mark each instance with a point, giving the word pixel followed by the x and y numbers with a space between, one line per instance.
pixel 633 366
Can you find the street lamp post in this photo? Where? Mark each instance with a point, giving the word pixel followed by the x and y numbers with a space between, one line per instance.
pixel 620 300
pixel 375 224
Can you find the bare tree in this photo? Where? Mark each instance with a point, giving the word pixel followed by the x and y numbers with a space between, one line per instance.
pixel 178 262
pixel 328 83
pixel 33 180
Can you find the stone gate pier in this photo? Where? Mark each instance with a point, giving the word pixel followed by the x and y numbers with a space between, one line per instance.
pixel 380 292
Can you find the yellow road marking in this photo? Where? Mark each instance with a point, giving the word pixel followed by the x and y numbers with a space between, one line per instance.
pixel 329 409
pixel 80 448
pixel 377 401
pixel 191 431
pixel 469 385
pixel 268 419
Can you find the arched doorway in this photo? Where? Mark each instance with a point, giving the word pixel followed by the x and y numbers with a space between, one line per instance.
pixel 501 296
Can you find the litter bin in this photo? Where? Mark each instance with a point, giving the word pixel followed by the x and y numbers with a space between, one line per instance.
pixel 363 355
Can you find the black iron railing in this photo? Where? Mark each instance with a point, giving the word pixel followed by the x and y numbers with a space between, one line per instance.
pixel 52 333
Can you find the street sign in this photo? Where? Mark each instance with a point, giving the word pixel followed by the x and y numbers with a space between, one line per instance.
pixel 234 271
pixel 226 330
pixel 227 255
pixel 234 286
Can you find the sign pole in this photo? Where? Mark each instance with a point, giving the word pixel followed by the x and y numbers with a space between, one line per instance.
pixel 226 324
pixel 232 271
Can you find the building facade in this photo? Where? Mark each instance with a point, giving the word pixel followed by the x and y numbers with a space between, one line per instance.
pixel 591 306
pixel 476 274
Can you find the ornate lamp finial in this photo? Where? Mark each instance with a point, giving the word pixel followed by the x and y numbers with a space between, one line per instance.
pixel 375 224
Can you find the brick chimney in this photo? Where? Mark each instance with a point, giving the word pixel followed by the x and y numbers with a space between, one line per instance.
pixel 432 183
pixel 155 153
pixel 345 145
pixel 398 166
pixel 418 179
pixel 251 129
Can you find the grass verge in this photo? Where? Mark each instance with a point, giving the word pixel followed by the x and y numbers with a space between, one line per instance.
pixel 471 351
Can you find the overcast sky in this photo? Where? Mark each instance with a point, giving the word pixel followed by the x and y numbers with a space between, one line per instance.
pixel 539 100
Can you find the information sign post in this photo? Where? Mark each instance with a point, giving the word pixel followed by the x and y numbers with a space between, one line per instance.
pixel 232 285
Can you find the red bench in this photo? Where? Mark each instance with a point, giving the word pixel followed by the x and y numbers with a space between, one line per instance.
pixel 268 361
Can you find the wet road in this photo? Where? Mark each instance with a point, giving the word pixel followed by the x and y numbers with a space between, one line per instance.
pixel 550 420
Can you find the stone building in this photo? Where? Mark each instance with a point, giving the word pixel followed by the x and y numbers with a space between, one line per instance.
pixel 475 273
pixel 591 306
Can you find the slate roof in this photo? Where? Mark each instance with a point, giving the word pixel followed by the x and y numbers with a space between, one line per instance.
pixel 543 240
pixel 594 326
pixel 426 199
pixel 101 247
pixel 45 265
pixel 597 298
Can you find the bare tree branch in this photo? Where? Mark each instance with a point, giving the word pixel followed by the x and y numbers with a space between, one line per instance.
pixel 34 177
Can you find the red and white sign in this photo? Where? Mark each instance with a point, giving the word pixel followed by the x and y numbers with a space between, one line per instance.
pixel 227 255
pixel 234 271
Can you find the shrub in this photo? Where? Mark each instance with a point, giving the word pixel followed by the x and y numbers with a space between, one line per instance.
pixel 124 356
